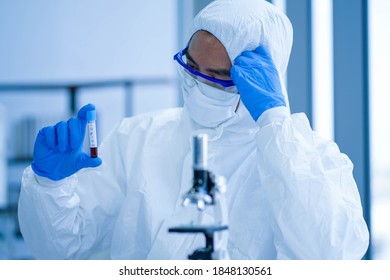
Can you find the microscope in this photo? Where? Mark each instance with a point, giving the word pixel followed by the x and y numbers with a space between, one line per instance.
pixel 207 191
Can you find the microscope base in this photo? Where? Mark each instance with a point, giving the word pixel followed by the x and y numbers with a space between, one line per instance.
pixel 208 231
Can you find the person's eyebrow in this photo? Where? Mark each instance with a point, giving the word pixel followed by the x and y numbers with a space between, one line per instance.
pixel 220 72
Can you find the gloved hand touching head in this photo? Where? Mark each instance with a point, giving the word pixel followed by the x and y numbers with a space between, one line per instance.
pixel 58 149
pixel 257 81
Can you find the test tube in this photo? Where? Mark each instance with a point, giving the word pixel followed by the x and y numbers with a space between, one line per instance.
pixel 91 120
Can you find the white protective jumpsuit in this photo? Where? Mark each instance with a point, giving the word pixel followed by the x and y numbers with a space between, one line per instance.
pixel 290 193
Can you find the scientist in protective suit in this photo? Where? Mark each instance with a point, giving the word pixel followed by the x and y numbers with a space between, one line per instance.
pixel 291 194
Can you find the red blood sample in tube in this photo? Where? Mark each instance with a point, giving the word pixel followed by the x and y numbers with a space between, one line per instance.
pixel 94 152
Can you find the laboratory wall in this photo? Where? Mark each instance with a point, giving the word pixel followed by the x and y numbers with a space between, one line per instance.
pixel 59 42
pixel 379 63
pixel 3 182
pixel 48 46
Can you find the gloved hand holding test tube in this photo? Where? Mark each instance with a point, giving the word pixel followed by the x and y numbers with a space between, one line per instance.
pixel 58 150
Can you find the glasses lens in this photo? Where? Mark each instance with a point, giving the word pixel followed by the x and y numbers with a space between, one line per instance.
pixel 220 84
pixel 190 80
pixel 187 78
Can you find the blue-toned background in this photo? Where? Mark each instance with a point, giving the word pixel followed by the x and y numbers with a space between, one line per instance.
pixel 56 56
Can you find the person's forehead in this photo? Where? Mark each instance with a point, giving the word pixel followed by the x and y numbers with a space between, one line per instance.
pixel 204 47
pixel 205 37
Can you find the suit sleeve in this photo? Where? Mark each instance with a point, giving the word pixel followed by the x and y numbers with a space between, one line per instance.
pixel 316 207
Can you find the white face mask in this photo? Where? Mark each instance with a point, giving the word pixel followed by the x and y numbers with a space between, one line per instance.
pixel 207 105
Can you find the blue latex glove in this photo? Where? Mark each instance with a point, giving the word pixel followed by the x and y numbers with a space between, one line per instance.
pixel 58 150
pixel 257 81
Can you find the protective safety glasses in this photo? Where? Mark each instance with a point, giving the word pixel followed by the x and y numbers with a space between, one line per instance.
pixel 227 85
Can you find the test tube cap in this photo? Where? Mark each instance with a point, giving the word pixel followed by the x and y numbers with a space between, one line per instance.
pixel 91 115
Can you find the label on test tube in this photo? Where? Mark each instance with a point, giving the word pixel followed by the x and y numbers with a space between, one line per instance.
pixel 91 119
